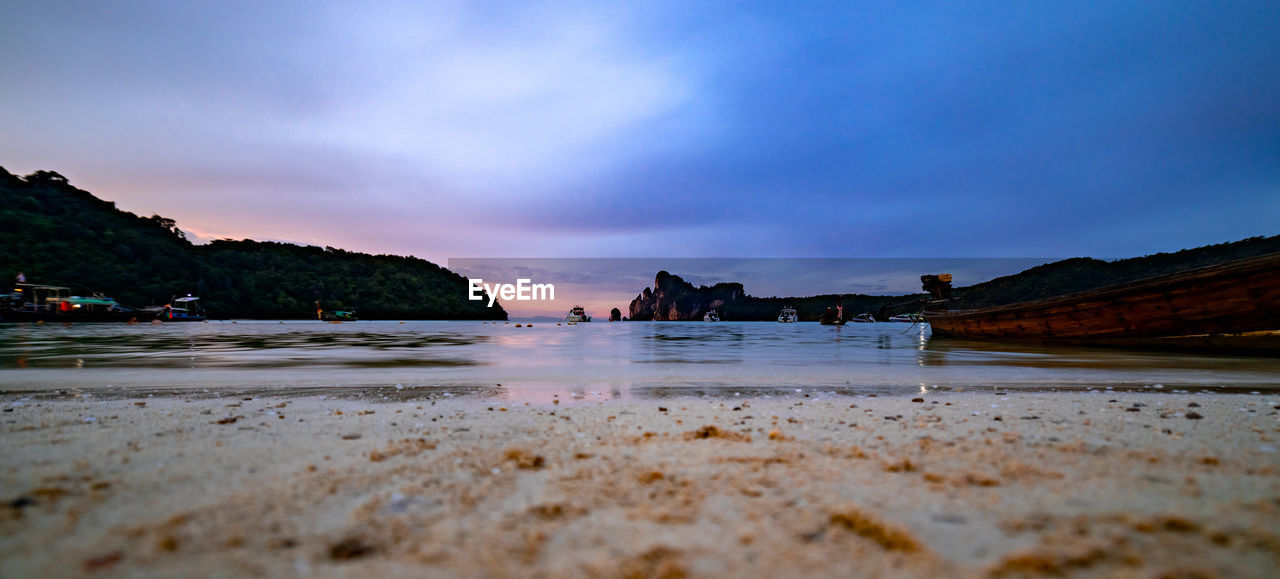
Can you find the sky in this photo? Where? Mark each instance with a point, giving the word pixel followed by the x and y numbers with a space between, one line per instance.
pixel 661 129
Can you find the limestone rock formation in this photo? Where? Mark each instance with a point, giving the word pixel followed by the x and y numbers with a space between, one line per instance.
pixel 673 298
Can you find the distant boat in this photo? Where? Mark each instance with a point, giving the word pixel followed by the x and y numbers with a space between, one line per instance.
pixel 833 317
pixel 338 316
pixel 577 314
pixel 47 303
pixel 711 316
pixel 788 315
pixel 907 318
pixel 335 315
pixel 1231 306
pixel 184 309
pixel 863 319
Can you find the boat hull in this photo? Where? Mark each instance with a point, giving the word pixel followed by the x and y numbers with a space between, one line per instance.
pixel 1198 308
pixel 181 318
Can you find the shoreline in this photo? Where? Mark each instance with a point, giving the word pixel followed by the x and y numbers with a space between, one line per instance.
pixel 940 483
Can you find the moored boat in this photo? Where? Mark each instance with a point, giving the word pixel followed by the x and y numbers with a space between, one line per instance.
pixel 788 315
pixel 577 314
pixel 1230 306
pixel 711 316
pixel 338 316
pixel 29 302
pixel 863 319
pixel 833 317
pixel 47 303
pixel 183 309
pixel 335 315
pixel 907 318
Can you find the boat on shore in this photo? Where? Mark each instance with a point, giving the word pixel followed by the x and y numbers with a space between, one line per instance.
pixel 788 315
pixel 48 303
pixel 1234 306
pixel 711 316
pixel 577 314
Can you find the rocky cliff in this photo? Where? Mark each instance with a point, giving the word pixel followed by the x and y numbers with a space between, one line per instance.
pixel 673 298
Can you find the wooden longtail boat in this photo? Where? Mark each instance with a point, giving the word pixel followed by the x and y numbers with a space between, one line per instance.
pixel 1231 306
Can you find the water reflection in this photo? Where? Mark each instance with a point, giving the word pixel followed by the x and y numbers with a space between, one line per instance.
pixel 692 343
pixel 239 345
pixel 959 352
pixel 584 361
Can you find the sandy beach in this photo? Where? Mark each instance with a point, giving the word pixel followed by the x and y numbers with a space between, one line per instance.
pixel 1097 483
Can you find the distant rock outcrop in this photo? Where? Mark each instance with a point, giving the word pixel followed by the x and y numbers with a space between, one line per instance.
pixel 673 299
pixel 615 315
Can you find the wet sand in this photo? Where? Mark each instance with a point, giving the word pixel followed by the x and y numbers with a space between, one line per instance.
pixel 939 484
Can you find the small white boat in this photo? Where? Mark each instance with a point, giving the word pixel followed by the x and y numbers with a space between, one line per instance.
pixel 788 316
pixel 577 314
pixel 711 316
pixel 907 318
pixel 863 319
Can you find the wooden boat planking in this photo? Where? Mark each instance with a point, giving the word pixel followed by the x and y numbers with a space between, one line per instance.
pixel 1201 308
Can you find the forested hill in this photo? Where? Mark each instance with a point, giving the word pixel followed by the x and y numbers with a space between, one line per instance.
pixel 1083 273
pixel 57 234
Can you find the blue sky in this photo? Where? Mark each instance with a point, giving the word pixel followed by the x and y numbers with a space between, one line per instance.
pixel 661 129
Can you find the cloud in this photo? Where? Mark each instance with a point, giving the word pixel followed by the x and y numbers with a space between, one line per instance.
pixel 829 129
pixel 517 103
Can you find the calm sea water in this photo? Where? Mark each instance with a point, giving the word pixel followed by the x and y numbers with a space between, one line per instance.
pixel 584 360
